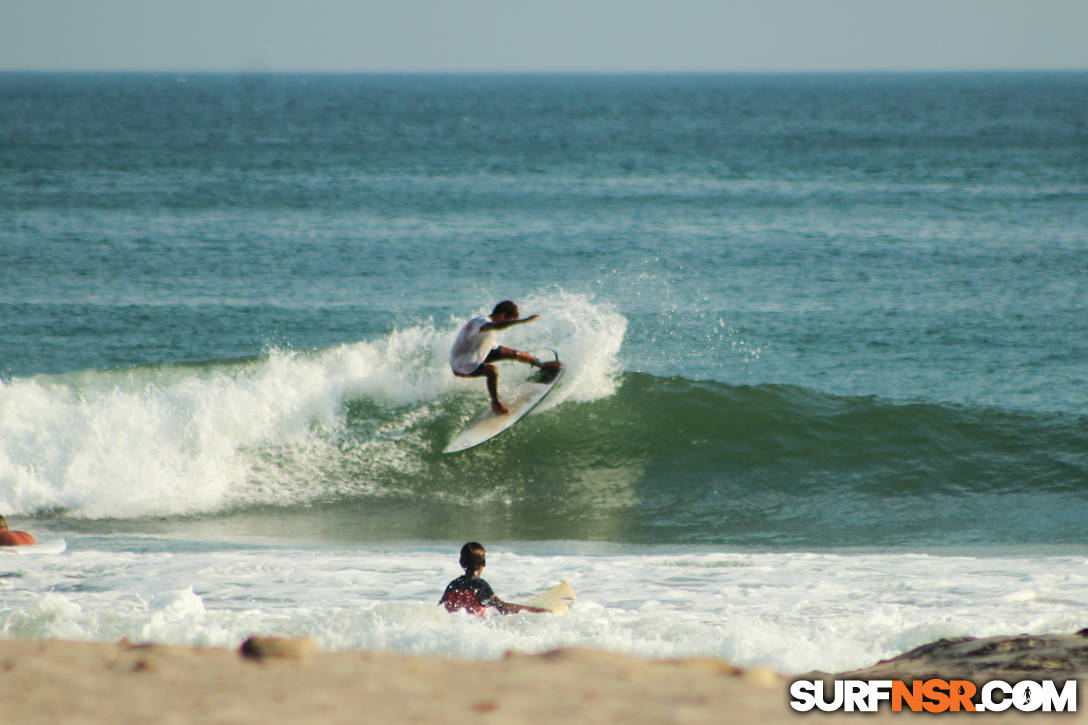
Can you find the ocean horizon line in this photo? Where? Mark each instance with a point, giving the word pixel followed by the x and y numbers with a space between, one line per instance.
pixel 548 72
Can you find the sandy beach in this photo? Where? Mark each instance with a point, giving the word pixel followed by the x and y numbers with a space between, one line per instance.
pixel 289 681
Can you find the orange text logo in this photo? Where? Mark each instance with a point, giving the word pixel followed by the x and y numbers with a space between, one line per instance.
pixel 934 696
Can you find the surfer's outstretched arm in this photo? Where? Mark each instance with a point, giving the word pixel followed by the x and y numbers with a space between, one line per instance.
pixel 502 323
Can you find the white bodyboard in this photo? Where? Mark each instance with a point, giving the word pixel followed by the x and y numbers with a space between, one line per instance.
pixel 520 400
pixel 556 600
pixel 50 546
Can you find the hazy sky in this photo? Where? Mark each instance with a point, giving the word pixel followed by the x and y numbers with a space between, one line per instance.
pixel 562 35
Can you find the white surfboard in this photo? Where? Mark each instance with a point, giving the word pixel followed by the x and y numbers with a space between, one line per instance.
pixel 50 546
pixel 556 600
pixel 520 400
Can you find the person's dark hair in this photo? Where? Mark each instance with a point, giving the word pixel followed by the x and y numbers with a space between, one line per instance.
pixel 473 557
pixel 507 308
pixel 3 523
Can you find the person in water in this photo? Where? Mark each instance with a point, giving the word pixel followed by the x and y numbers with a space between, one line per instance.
pixel 14 538
pixel 474 352
pixel 473 594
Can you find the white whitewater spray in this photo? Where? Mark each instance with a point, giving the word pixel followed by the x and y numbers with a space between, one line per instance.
pixel 170 440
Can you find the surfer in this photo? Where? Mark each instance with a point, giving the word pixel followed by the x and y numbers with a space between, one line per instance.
pixel 473 353
pixel 473 594
pixel 14 538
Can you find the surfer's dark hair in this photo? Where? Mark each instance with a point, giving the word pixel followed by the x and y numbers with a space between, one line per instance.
pixel 3 523
pixel 506 308
pixel 473 557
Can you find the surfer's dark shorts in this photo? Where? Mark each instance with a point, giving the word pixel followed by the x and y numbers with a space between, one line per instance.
pixel 498 353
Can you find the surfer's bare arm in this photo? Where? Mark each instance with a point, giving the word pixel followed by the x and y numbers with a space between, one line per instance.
pixel 508 608
pixel 502 324
pixel 508 353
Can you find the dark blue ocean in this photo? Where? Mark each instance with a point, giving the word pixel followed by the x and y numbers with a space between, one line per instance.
pixel 802 316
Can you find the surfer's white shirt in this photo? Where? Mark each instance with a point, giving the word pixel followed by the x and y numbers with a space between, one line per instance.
pixel 471 346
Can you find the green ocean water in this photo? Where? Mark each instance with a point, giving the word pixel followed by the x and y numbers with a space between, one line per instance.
pixel 797 311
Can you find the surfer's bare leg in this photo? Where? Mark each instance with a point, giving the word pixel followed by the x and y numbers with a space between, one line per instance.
pixel 506 353
pixel 492 374
pixel 489 371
